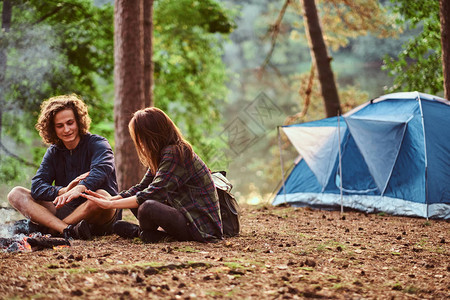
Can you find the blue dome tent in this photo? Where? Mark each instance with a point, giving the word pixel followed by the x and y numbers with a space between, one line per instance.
pixel 391 154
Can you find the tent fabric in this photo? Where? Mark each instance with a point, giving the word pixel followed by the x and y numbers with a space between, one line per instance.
pixel 395 158
pixel 379 142
pixel 315 145
pixel 368 204
pixel 353 166
pixel 437 152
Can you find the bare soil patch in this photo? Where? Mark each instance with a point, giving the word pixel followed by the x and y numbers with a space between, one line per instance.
pixel 282 253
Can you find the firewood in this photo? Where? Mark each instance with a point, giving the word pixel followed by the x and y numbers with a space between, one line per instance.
pixel 46 242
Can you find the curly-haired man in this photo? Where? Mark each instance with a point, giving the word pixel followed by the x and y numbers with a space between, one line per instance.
pixel 75 162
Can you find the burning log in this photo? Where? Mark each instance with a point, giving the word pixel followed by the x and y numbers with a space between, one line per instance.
pixel 47 242
pixel 31 243
pixel 24 236
pixel 15 245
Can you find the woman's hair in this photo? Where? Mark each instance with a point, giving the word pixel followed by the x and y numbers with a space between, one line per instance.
pixel 152 130
pixel 52 106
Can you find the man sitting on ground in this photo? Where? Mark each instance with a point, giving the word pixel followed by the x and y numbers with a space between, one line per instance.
pixel 75 162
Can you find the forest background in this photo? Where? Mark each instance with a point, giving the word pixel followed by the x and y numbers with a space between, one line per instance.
pixel 227 72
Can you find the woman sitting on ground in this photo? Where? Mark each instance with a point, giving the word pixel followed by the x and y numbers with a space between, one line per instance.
pixel 177 192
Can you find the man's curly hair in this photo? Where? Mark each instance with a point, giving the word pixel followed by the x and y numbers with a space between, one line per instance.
pixel 52 106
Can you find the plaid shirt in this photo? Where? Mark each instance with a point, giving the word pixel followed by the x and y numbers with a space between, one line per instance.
pixel 185 185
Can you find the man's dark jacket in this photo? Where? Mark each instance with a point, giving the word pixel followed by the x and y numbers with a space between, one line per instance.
pixel 93 154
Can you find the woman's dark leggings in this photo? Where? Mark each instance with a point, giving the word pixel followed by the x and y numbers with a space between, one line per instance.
pixel 153 214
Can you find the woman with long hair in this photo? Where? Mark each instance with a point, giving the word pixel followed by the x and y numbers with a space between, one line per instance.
pixel 176 194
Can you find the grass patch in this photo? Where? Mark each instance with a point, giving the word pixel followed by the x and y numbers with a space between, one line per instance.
pixel 440 250
pixel 80 271
pixel 36 296
pixel 60 269
pixel 333 278
pixel 214 294
pixel 283 212
pixel 234 265
pixel 196 264
pixel 301 253
pixel 163 268
pixel 187 249
pixel 303 236
pixel 331 245
pixel 231 293
pixel 321 247
pixel 411 289
pixel 339 286
pixel 145 264
pixel 422 243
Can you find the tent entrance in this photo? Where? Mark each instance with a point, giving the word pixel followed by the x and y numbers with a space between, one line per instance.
pixel 379 141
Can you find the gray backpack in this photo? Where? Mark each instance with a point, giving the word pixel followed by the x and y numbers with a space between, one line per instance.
pixel 229 208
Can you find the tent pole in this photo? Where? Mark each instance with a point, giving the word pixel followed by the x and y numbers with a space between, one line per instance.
pixel 281 163
pixel 340 161
pixel 425 154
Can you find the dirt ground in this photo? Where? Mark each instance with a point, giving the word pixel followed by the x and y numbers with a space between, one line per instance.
pixel 282 253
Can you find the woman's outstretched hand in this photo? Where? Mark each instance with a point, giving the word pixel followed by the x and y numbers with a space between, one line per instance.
pixel 101 200
pixel 111 202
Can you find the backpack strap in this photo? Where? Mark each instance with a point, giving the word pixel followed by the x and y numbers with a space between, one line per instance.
pixel 221 182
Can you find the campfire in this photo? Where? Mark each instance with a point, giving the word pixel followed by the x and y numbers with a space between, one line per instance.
pixel 19 242
pixel 15 244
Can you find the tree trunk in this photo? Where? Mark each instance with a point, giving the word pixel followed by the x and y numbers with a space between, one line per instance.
pixel 322 60
pixel 148 52
pixel 444 8
pixel 6 25
pixel 129 87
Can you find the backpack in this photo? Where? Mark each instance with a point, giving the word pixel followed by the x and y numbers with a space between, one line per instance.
pixel 229 208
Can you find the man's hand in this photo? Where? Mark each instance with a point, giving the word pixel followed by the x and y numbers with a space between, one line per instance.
pixel 73 184
pixel 74 193
pixel 76 181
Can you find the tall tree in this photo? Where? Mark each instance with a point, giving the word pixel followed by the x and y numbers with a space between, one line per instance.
pixel 339 21
pixel 148 52
pixel 129 86
pixel 445 42
pixel 321 58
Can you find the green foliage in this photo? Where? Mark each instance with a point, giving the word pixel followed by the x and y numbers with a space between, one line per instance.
pixel 12 128
pixel 59 47
pixel 189 74
pixel 418 66
pixel 181 15
pixel 54 48
pixel 11 170
pixel 50 53
pixel 345 20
